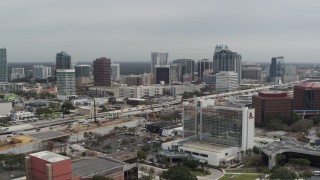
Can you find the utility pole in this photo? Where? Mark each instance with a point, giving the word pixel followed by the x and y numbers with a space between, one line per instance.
pixel 94 109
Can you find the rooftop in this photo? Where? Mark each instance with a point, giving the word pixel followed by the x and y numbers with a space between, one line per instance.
pixel 165 124
pixel 273 94
pixel 206 146
pixel 90 166
pixel 46 135
pixel 308 84
pixel 49 156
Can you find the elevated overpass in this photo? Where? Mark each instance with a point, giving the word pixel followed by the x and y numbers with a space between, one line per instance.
pixel 288 146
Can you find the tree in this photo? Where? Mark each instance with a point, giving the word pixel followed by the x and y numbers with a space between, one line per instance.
pixel 132 130
pixel 141 155
pixel 150 173
pixel 39 111
pixel 112 100
pixel 255 150
pixel 84 154
pixel 66 107
pixel 146 148
pixel 280 159
pixel 178 173
pixel 306 174
pixel 282 173
pixel 190 163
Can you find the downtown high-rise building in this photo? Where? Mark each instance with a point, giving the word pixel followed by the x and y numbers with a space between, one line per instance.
pixel 277 69
pixel 3 65
pixel 41 72
pixel 203 65
pixel 162 74
pixel 65 83
pixel 63 61
pixel 158 59
pixel 251 71
pixel 16 73
pixel 226 60
pixel 187 69
pixel 115 71
pixel 82 70
pixel 102 71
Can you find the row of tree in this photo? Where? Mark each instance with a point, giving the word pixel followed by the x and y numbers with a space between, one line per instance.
pixel 13 159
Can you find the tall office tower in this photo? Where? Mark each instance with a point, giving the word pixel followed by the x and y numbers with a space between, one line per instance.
pixel 115 71
pixel 187 68
pixel 82 70
pixel 251 71
pixel 41 72
pixel 162 74
pixel 226 81
pixel 158 59
pixel 226 60
pixel 65 83
pixel 3 65
pixel 277 69
pixel 63 61
pixel 203 65
pixel 175 73
pixel 102 71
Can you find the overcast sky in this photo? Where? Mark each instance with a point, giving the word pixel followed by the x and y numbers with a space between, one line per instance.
pixel 129 30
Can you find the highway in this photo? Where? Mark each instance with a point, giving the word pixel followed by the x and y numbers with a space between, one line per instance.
pixel 22 128
pixel 247 91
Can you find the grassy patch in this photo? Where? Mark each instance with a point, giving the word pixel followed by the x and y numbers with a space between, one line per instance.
pixel 240 176
pixel 197 173
pixel 241 171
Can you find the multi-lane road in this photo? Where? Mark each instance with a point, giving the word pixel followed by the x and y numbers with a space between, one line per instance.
pixel 22 128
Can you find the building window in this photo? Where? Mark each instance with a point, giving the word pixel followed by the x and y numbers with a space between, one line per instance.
pixel 203 155
pixel 194 153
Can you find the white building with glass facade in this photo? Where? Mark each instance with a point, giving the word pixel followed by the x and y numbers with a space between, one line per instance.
pixel 65 83
pixel 226 81
pixel 41 72
pixel 115 71
pixel 215 134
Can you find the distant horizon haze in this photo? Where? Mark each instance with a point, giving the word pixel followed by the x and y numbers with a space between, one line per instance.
pixel 35 30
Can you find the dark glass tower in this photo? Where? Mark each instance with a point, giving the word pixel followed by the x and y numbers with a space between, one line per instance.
pixel 277 69
pixel 3 65
pixel 63 61
pixel 226 60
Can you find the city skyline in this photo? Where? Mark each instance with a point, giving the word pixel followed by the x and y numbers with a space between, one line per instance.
pixel 88 30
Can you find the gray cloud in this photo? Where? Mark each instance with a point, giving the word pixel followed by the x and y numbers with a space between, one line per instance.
pixel 127 30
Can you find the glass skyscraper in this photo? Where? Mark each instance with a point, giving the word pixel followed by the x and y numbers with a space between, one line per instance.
pixel 3 65
pixel 277 69
pixel 226 60
pixel 63 61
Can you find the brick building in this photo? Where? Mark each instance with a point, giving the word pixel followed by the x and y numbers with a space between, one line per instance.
pixel 307 96
pixel 102 72
pixel 270 104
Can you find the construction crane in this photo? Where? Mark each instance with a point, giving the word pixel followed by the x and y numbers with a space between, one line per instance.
pixel 153 114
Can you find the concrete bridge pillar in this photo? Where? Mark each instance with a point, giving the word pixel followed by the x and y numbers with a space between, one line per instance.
pixel 272 161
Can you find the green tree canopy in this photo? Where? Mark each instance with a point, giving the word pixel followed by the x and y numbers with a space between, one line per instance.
pixel 178 173
pixel 282 173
